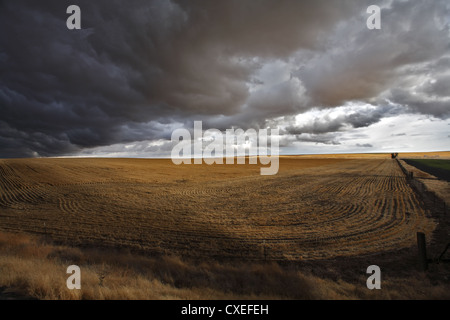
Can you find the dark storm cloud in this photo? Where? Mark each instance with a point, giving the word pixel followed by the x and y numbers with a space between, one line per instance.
pixel 137 62
pixel 361 64
pixel 138 69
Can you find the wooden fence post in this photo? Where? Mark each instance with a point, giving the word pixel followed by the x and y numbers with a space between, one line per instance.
pixel 421 243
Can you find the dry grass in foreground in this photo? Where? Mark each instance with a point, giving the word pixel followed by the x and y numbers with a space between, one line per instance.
pixel 35 269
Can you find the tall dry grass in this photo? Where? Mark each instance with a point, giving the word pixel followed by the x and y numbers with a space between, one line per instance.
pixel 32 268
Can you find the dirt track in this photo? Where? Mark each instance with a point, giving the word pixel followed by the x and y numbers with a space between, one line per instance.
pixel 313 209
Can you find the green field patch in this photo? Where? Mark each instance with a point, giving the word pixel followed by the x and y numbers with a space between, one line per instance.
pixel 437 167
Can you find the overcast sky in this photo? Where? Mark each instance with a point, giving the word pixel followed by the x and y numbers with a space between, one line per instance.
pixel 137 70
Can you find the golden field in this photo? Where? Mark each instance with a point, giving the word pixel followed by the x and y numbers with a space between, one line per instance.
pixel 312 209
pixel 325 209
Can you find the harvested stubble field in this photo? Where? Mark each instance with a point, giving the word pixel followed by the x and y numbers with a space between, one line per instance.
pixel 314 208
pixel 204 232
